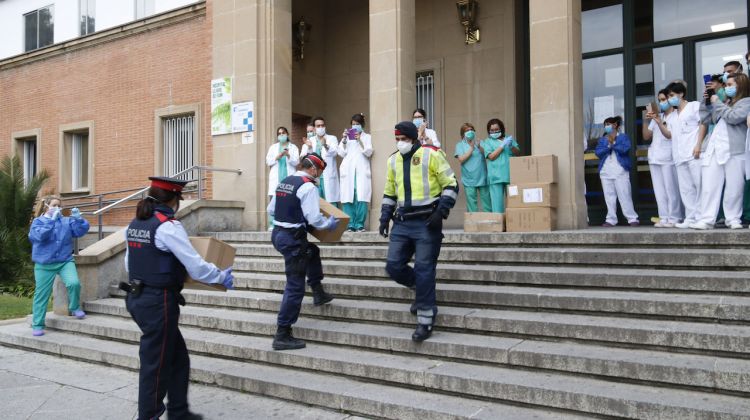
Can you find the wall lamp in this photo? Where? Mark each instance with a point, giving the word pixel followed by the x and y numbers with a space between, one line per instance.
pixel 467 15
pixel 301 32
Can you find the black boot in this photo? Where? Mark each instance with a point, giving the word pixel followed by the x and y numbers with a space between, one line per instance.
pixel 423 332
pixel 413 308
pixel 283 340
pixel 320 296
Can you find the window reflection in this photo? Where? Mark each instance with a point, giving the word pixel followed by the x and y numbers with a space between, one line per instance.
pixel 603 93
pixel 680 18
pixel 601 28
pixel 710 56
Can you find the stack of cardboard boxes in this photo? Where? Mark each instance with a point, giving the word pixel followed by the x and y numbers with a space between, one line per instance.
pixel 532 194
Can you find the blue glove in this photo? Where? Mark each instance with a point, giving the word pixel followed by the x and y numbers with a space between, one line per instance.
pixel 57 214
pixel 507 142
pixel 75 213
pixel 228 278
pixel 332 223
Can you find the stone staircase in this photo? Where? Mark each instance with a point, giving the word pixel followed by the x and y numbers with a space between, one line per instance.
pixel 634 323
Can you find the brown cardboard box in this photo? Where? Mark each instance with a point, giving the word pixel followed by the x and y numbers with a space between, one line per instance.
pixel 536 219
pixel 329 209
pixel 531 169
pixel 214 251
pixel 484 222
pixel 532 195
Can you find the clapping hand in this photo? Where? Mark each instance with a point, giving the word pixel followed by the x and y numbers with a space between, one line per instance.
pixel 75 213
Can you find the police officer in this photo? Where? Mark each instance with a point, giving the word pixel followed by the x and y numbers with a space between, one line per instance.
pixel 295 209
pixel 157 258
pixel 420 190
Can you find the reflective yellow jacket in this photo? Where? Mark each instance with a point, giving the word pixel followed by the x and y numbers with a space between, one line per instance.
pixel 429 177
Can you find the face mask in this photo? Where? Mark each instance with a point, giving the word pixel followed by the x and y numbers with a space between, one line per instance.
pixel 496 135
pixel 722 94
pixel 731 91
pixel 320 131
pixel 283 138
pixel 674 100
pixel 418 121
pixel 357 127
pixel 607 129
pixel 469 135
pixel 310 134
pixel 404 146
pixel 664 106
pixel 724 77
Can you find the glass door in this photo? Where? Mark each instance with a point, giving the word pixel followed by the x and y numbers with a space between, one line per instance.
pixel 711 55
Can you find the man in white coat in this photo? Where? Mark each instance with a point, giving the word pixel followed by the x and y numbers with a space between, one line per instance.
pixel 282 159
pixel 326 146
pixel 356 178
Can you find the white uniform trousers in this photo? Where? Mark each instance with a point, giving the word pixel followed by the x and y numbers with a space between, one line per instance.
pixel 618 189
pixel 667 192
pixel 730 176
pixel 689 180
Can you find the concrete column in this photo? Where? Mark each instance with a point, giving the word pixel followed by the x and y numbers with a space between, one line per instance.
pixel 556 100
pixel 392 74
pixel 252 42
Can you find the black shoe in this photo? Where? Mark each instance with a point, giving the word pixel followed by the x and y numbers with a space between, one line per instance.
pixel 413 308
pixel 320 296
pixel 283 340
pixel 423 332
pixel 188 416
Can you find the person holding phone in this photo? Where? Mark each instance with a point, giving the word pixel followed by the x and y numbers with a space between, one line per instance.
pixel 326 146
pixel 723 163
pixel 356 178
pixel 660 162
pixel 425 134
pixel 613 151
pixel 282 158
pixel 498 149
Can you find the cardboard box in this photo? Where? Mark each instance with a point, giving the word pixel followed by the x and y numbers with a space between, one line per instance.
pixel 538 219
pixel 329 209
pixel 533 169
pixel 484 222
pixel 532 195
pixel 214 251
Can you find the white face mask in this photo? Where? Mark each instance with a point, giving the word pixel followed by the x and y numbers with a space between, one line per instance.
pixel 320 131
pixel 404 146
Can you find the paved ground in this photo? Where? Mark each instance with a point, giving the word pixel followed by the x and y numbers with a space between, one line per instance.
pixel 37 386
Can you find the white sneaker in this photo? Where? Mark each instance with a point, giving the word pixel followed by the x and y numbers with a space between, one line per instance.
pixel 658 225
pixel 667 225
pixel 683 225
pixel 735 225
pixel 700 226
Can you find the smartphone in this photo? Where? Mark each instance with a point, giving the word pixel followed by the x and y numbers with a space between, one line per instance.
pixel 649 107
pixel 706 79
pixel 351 133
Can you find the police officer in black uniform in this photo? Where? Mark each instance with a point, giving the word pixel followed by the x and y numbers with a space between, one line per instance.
pixel 158 256
pixel 295 209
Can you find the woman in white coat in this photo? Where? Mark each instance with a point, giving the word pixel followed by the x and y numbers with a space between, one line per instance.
pixel 326 146
pixel 282 159
pixel 356 178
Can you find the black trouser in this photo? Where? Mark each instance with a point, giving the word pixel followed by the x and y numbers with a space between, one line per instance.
pixel 165 365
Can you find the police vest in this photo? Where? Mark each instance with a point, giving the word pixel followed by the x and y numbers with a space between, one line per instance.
pixel 419 178
pixel 288 206
pixel 146 262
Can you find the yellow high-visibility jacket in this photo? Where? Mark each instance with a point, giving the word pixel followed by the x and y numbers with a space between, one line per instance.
pixel 420 180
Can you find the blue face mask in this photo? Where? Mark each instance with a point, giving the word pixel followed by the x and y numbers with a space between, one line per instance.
pixel 357 127
pixel 469 135
pixel 418 121
pixel 664 106
pixel 724 77
pixel 282 138
pixel 496 135
pixel 731 91
pixel 607 129
pixel 310 134
pixel 674 100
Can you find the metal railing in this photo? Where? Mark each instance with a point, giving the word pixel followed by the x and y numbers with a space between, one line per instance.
pixel 103 205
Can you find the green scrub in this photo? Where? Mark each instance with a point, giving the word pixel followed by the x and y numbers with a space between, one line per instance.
pixel 473 177
pixel 356 210
pixel 498 171
pixel 44 275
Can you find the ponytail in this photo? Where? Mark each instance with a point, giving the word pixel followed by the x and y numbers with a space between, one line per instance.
pixel 145 208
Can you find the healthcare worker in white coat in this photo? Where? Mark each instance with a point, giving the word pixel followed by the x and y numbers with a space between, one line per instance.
pixel 425 135
pixel 282 159
pixel 687 139
pixel 356 179
pixel 326 146
pixel 723 163
pixel 661 164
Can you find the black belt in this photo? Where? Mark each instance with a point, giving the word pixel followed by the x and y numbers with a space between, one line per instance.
pixel 421 212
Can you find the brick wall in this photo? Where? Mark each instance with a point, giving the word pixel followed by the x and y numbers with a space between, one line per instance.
pixel 118 85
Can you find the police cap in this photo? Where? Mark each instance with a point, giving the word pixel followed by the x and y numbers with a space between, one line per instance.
pixel 169 184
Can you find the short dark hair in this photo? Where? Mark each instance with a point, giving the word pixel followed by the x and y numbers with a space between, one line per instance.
pixel 497 121
pixel 614 120
pixel 421 111
pixel 675 87
pixel 312 121
pixel 734 63
pixel 359 118
pixel 282 128
pixel 664 92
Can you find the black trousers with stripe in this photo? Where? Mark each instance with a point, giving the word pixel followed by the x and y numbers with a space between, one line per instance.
pixel 165 364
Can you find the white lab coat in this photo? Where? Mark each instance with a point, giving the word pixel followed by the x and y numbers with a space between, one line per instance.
pixel 356 162
pixel 331 174
pixel 291 164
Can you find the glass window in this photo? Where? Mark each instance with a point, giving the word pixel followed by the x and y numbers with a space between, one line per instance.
pixel 680 18
pixel 30 31
pixel 601 28
pixel 144 8
pixel 603 93
pixel 39 28
pixel 711 55
pixel 88 16
pixel 46 27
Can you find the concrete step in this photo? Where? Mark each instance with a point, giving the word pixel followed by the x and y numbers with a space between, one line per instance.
pixel 327 390
pixel 409 367
pixel 663 305
pixel 703 259
pixel 587 277
pixel 686 336
pixel 643 237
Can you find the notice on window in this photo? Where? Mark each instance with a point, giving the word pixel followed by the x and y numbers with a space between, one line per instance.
pixel 513 190
pixel 242 117
pixel 533 195
pixel 247 138
pixel 221 106
pixel 604 107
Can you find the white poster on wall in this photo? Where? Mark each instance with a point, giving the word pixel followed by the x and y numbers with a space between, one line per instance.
pixel 242 117
pixel 221 106
pixel 604 107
